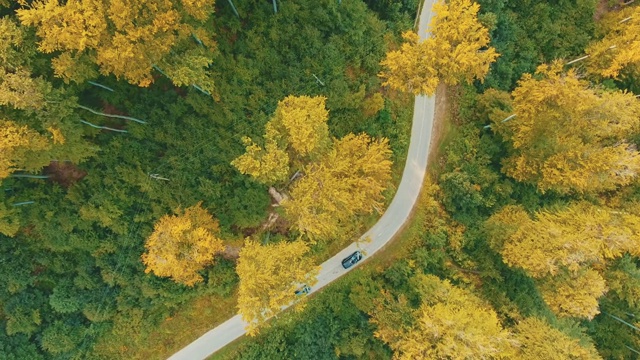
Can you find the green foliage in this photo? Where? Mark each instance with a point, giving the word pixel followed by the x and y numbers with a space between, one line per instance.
pixel 471 181
pixel 330 327
pixel 72 280
pixel 531 32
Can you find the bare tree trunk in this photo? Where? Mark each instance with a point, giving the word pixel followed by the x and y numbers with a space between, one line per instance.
pixel 275 195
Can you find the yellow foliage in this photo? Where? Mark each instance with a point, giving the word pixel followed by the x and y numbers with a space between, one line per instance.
pixel 16 142
pixel 297 131
pixel 539 341
pixel 304 121
pixel 566 249
pixel 620 47
pixel 372 105
pixel 123 37
pixel 269 276
pixel 456 51
pixel 19 89
pixel 451 323
pixel 11 39
pixel 58 137
pixel 503 224
pixel 182 245
pixel 574 295
pixel 9 224
pixel 349 180
pixel 267 166
pixel 579 235
pixel 563 131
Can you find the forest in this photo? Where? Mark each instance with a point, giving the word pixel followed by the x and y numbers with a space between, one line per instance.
pixel 161 158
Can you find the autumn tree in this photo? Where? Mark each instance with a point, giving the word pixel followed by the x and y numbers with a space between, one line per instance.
pixel 18 88
pixel 347 181
pixel 457 50
pixel 538 340
pixel 125 38
pixel 183 244
pixel 569 137
pixel 269 276
pixel 450 323
pixel 18 145
pixel 296 134
pixel 566 249
pixel 573 293
pixel 46 109
pixel 620 46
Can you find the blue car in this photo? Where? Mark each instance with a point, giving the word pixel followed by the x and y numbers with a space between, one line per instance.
pixel 351 260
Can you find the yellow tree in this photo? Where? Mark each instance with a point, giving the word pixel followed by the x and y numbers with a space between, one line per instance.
pixel 347 181
pixel 301 122
pixel 18 148
pixel 125 38
pixel 575 293
pixel 269 276
pixel 182 245
pixel 268 166
pixel 458 50
pixel 620 46
pixel 565 249
pixel 579 235
pixel 17 86
pixel 451 323
pixel 569 137
pixel 296 134
pixel 538 340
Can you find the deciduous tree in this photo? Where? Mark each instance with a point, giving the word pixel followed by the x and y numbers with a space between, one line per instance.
pixel 451 323
pixel 17 86
pixel 349 180
pixel 296 134
pixel 566 250
pixel 268 166
pixel 569 137
pixel 122 37
pixel 574 293
pixel 579 235
pixel 17 147
pixel 269 276
pixel 182 245
pixel 620 46
pixel 537 340
pixel 458 50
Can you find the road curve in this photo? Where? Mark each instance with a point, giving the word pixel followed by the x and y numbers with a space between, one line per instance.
pixel 381 233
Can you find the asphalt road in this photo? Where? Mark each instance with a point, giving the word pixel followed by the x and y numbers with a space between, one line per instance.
pixel 381 233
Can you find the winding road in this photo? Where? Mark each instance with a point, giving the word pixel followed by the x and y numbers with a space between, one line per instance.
pixel 381 233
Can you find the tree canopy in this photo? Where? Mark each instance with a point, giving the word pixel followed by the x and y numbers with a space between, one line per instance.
pixel 567 136
pixel 269 276
pixel 182 245
pixel 457 50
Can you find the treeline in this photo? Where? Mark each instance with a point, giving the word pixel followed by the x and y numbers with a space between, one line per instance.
pixel 528 247
pixel 118 134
